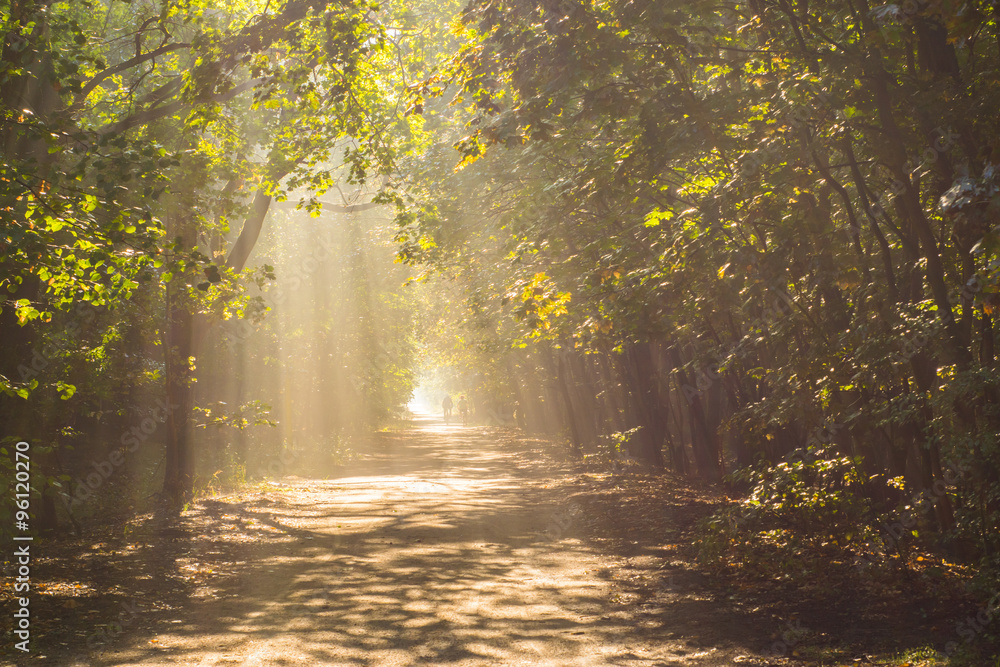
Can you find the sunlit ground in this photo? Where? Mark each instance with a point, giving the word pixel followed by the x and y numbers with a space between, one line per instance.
pixel 432 551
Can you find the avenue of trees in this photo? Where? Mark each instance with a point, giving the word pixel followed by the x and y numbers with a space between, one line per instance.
pixel 750 242
pixel 753 237
pixel 145 144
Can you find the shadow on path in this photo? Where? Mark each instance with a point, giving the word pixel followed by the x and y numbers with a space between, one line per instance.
pixel 434 550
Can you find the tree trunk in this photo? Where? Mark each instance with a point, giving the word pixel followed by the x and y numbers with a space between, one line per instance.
pixel 178 481
pixel 557 364
pixel 704 442
pixel 649 404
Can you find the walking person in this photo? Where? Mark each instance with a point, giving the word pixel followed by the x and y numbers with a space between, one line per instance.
pixel 446 406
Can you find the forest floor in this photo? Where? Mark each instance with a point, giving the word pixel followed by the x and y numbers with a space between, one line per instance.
pixel 443 545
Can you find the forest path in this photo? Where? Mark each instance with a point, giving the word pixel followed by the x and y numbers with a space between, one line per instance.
pixel 436 549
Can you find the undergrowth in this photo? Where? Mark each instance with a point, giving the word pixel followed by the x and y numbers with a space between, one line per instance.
pixel 806 524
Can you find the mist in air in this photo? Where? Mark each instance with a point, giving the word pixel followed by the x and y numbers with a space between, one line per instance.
pixel 574 332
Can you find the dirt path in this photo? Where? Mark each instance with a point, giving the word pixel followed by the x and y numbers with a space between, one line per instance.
pixel 435 550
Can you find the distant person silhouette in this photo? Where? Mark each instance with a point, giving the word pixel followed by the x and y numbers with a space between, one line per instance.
pixel 446 406
pixel 463 409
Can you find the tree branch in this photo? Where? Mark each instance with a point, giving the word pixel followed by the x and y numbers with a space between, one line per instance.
pixel 333 208
pixel 98 78
pixel 252 226
pixel 155 113
pixel 244 245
